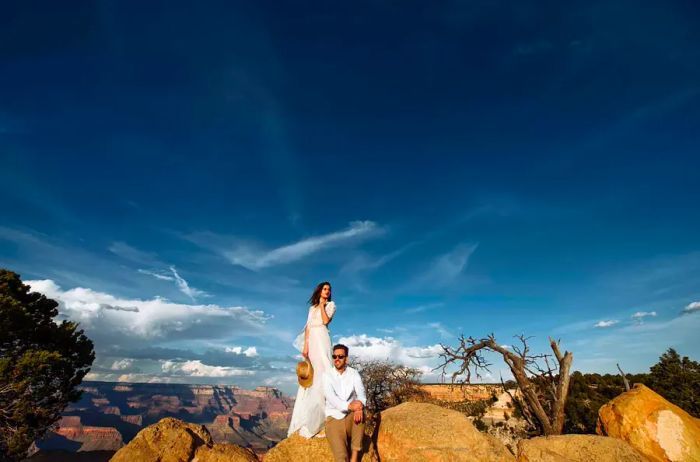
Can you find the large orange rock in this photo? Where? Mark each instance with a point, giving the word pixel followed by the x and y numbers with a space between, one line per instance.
pixel 577 448
pixel 422 432
pixel 172 440
pixel 224 452
pixel 299 449
pixel 658 429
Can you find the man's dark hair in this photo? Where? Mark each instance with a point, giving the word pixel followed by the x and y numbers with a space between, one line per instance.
pixel 340 346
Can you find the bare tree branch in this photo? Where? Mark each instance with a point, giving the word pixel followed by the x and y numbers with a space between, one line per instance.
pixel 544 387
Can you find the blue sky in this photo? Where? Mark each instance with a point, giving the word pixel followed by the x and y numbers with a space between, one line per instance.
pixel 181 176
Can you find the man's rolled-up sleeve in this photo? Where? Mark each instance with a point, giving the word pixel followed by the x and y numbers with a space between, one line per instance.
pixel 360 389
pixel 332 397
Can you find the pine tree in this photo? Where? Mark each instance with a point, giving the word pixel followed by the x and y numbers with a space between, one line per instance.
pixel 41 364
pixel 677 379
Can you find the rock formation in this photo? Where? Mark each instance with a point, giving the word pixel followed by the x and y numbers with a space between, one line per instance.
pixel 111 414
pixel 656 428
pixel 577 448
pixel 461 392
pixel 425 432
pixel 172 440
pixel 300 449
pixel 72 435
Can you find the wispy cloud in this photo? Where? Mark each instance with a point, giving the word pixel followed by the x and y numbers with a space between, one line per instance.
pixel 161 276
pixel 185 287
pixel 363 262
pixel 691 308
pixel 607 323
pixel 447 267
pixel 639 316
pixel 181 283
pixel 127 252
pixel 424 307
pixel 255 258
pixel 442 330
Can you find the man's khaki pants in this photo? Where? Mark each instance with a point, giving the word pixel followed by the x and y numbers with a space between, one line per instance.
pixel 338 431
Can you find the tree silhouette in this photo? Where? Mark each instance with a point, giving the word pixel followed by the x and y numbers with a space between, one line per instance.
pixel 42 362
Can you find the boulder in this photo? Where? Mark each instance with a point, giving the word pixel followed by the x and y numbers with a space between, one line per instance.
pixel 653 426
pixel 577 448
pixel 172 440
pixel 224 452
pixel 300 449
pixel 425 432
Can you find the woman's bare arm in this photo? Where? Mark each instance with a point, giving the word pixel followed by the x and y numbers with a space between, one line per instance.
pixel 324 316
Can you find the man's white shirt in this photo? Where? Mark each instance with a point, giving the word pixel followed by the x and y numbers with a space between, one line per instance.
pixel 341 390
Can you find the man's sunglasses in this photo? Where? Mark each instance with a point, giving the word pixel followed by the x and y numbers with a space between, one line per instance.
pixel 338 356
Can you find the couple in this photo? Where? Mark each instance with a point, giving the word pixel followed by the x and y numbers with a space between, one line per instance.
pixel 335 397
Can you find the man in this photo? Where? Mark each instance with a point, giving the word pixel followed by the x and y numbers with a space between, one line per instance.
pixel 345 402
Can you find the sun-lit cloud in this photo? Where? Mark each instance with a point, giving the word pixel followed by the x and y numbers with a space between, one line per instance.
pixel 606 323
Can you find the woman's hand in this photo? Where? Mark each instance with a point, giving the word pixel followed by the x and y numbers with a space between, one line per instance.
pixel 305 353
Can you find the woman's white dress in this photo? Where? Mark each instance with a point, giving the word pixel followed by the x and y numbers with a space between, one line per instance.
pixel 309 415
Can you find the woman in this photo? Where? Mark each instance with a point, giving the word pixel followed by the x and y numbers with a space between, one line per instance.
pixel 309 415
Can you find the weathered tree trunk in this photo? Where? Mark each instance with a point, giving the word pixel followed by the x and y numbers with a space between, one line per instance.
pixel 468 356
pixel 624 378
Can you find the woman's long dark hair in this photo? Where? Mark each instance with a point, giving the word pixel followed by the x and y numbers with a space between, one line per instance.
pixel 316 296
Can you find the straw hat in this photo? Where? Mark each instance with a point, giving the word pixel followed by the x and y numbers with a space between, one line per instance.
pixel 305 373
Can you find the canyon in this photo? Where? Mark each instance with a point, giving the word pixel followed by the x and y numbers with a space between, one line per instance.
pixel 109 415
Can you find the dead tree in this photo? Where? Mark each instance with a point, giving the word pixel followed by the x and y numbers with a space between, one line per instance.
pixel 543 384
pixel 624 378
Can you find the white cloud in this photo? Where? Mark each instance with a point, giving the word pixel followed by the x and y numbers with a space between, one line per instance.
pixel 198 369
pixel 254 258
pixel 250 352
pixel 365 347
pixel 606 323
pixel 119 321
pixel 122 364
pixel 692 308
pixel 640 315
